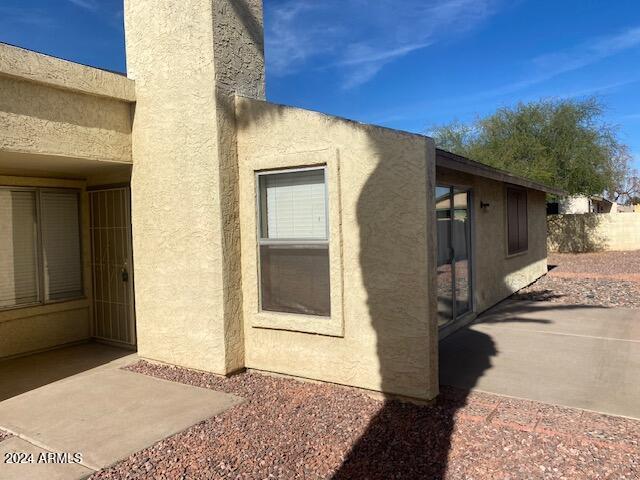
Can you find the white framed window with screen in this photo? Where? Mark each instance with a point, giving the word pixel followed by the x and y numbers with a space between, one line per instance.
pixel 293 241
pixel 40 246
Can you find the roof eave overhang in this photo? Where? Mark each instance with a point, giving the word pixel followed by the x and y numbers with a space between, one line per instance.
pixel 459 163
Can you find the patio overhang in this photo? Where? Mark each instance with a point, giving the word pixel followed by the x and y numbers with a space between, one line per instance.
pixel 57 115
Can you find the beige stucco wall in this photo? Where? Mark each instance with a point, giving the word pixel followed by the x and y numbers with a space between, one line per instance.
pixel 382 333
pixel 40 119
pixel 187 59
pixel 61 109
pixel 35 67
pixel 28 329
pixel 594 232
pixel 575 204
pixel 497 275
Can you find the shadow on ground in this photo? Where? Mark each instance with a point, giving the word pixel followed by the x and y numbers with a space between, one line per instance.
pixel 409 441
pixel 404 440
pixel 20 375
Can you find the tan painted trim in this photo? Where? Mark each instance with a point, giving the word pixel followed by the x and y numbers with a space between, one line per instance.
pixel 12 181
pixel 35 67
pixel 54 155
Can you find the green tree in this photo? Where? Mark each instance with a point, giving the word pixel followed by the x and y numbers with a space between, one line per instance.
pixel 564 143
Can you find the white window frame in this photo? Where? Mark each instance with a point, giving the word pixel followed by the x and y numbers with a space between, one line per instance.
pixel 287 241
pixel 39 246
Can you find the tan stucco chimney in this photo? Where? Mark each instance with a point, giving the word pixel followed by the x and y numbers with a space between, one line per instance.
pixel 188 58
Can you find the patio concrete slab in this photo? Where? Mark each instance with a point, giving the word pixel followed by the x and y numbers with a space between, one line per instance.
pixel 105 413
pixel 571 355
pixel 23 374
pixel 35 465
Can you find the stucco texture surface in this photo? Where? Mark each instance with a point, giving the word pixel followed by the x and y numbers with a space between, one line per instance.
pixel 39 327
pixel 592 232
pixel 188 295
pixel 382 252
pixel 44 69
pixel 39 119
pixel 497 275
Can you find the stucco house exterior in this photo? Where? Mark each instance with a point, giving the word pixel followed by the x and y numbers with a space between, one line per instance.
pixel 577 204
pixel 177 212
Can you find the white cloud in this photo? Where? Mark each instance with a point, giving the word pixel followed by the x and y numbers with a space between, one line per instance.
pixel 550 65
pixel 92 5
pixel 112 13
pixel 360 37
pixel 587 53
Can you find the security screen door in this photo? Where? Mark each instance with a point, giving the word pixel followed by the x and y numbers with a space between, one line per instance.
pixel 454 253
pixel 111 263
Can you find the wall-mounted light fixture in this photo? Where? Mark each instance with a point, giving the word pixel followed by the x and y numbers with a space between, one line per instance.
pixel 484 206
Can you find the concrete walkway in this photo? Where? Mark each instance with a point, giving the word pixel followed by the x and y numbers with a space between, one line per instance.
pixel 571 355
pixel 78 400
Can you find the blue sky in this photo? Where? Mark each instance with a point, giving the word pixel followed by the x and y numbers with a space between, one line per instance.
pixel 407 64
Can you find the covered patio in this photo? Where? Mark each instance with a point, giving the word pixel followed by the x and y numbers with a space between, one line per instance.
pixel 65 233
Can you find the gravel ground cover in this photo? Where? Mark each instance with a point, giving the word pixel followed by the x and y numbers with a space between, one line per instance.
pixel 596 264
pixel 609 279
pixel 291 429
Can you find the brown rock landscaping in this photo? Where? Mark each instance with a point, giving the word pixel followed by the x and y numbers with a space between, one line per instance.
pixel 294 429
pixel 608 279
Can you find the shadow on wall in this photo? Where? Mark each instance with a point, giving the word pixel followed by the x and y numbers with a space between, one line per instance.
pixel 404 440
pixel 575 233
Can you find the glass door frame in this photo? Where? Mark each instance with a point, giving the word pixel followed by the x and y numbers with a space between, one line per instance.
pixel 455 317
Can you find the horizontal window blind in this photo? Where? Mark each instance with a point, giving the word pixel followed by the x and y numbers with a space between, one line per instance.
pixel 294 274
pixel 18 248
pixel 295 205
pixel 60 224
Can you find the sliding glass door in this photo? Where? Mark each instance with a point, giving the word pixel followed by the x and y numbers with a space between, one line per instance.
pixel 454 253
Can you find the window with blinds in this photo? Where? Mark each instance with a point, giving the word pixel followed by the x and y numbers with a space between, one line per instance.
pixel 294 242
pixel 517 221
pixel 60 225
pixel 40 253
pixel 18 248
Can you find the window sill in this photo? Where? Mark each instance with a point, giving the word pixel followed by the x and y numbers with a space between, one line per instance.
pixel 293 322
pixel 35 309
pixel 517 254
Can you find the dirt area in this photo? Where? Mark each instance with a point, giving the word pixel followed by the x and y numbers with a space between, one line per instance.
pixel 599 264
pixel 609 279
pixel 291 429
pixel 4 435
